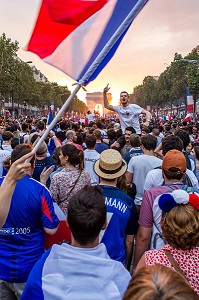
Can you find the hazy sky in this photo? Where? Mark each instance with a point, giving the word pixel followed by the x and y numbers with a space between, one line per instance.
pixel 162 28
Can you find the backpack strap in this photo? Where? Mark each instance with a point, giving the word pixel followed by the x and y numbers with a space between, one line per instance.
pixel 159 233
pixel 174 263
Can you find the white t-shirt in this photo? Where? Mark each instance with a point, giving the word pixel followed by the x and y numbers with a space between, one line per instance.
pixel 90 157
pixel 25 136
pixel 4 154
pixel 129 116
pixel 140 166
pixel 90 117
pixel 154 178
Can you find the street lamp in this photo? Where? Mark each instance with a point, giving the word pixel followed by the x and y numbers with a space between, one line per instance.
pixel 25 106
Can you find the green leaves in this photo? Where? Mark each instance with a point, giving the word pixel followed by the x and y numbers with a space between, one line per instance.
pixel 18 81
pixel 171 84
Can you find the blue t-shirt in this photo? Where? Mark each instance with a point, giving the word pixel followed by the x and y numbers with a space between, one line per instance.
pixel 22 236
pixel 122 221
pixel 100 147
pixel 131 153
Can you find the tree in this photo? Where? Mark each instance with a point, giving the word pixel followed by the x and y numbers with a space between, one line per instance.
pixel 149 90
pixel 8 50
pixel 192 73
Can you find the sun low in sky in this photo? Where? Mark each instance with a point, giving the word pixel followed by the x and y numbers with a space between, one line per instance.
pixel 161 29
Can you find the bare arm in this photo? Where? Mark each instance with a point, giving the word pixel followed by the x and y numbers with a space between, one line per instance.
pixel 16 172
pixel 51 231
pixel 55 139
pixel 158 150
pixel 106 104
pixel 129 177
pixel 142 243
pixel 148 116
pixel 129 248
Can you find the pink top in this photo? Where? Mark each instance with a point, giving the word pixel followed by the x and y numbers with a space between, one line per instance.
pixel 188 261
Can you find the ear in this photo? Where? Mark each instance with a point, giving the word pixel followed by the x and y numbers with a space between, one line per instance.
pixel 104 225
pixel 66 158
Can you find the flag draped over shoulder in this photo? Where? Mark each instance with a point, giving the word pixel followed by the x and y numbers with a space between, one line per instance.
pixel 79 37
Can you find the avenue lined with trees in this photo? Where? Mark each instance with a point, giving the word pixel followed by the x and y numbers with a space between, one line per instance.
pixel 171 85
pixel 18 83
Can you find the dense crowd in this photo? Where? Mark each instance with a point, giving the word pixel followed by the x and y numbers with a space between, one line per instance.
pixel 98 203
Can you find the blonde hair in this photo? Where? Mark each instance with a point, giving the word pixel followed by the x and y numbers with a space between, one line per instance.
pixel 180 227
pixel 159 282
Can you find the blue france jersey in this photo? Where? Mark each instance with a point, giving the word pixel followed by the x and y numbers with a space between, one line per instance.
pixel 122 221
pixel 22 236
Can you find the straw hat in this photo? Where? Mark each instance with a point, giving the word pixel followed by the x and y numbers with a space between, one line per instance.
pixel 110 165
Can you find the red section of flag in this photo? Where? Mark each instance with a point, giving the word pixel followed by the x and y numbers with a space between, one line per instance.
pixel 45 209
pixel 190 108
pixel 188 118
pixel 56 20
pixel 73 12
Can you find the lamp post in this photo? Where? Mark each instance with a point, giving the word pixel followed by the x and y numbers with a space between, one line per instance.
pixel 25 106
pixel 177 109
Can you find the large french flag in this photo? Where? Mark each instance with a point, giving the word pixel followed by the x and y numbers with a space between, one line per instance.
pixel 79 37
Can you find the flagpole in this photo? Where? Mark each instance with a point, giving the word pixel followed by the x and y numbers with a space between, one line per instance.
pixel 56 118
pixel 124 25
pixel 118 33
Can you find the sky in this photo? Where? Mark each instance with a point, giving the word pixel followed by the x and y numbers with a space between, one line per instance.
pixel 161 29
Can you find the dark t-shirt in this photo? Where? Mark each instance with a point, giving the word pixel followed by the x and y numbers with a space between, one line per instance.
pixel 40 165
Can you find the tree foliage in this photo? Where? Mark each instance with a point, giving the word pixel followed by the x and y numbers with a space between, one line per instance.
pixel 171 84
pixel 17 82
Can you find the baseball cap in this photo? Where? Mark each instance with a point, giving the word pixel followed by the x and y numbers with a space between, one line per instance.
pixel 174 159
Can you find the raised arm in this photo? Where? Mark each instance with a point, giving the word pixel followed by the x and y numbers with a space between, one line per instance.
pixel 16 172
pixel 148 116
pixel 106 104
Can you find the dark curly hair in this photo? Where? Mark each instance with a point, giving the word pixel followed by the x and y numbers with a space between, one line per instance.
pixel 180 227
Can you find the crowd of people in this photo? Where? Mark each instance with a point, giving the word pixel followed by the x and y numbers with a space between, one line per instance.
pixel 120 196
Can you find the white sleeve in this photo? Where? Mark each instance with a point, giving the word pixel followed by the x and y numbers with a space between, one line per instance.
pixel 116 108
pixel 193 178
pixel 136 109
pixel 130 167
pixel 148 184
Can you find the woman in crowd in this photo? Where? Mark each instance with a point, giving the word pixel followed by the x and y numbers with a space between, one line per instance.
pixel 159 282
pixel 180 228
pixel 71 179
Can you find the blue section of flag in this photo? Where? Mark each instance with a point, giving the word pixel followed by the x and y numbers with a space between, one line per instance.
pixel 50 117
pixel 187 92
pixel 84 49
pixel 119 14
